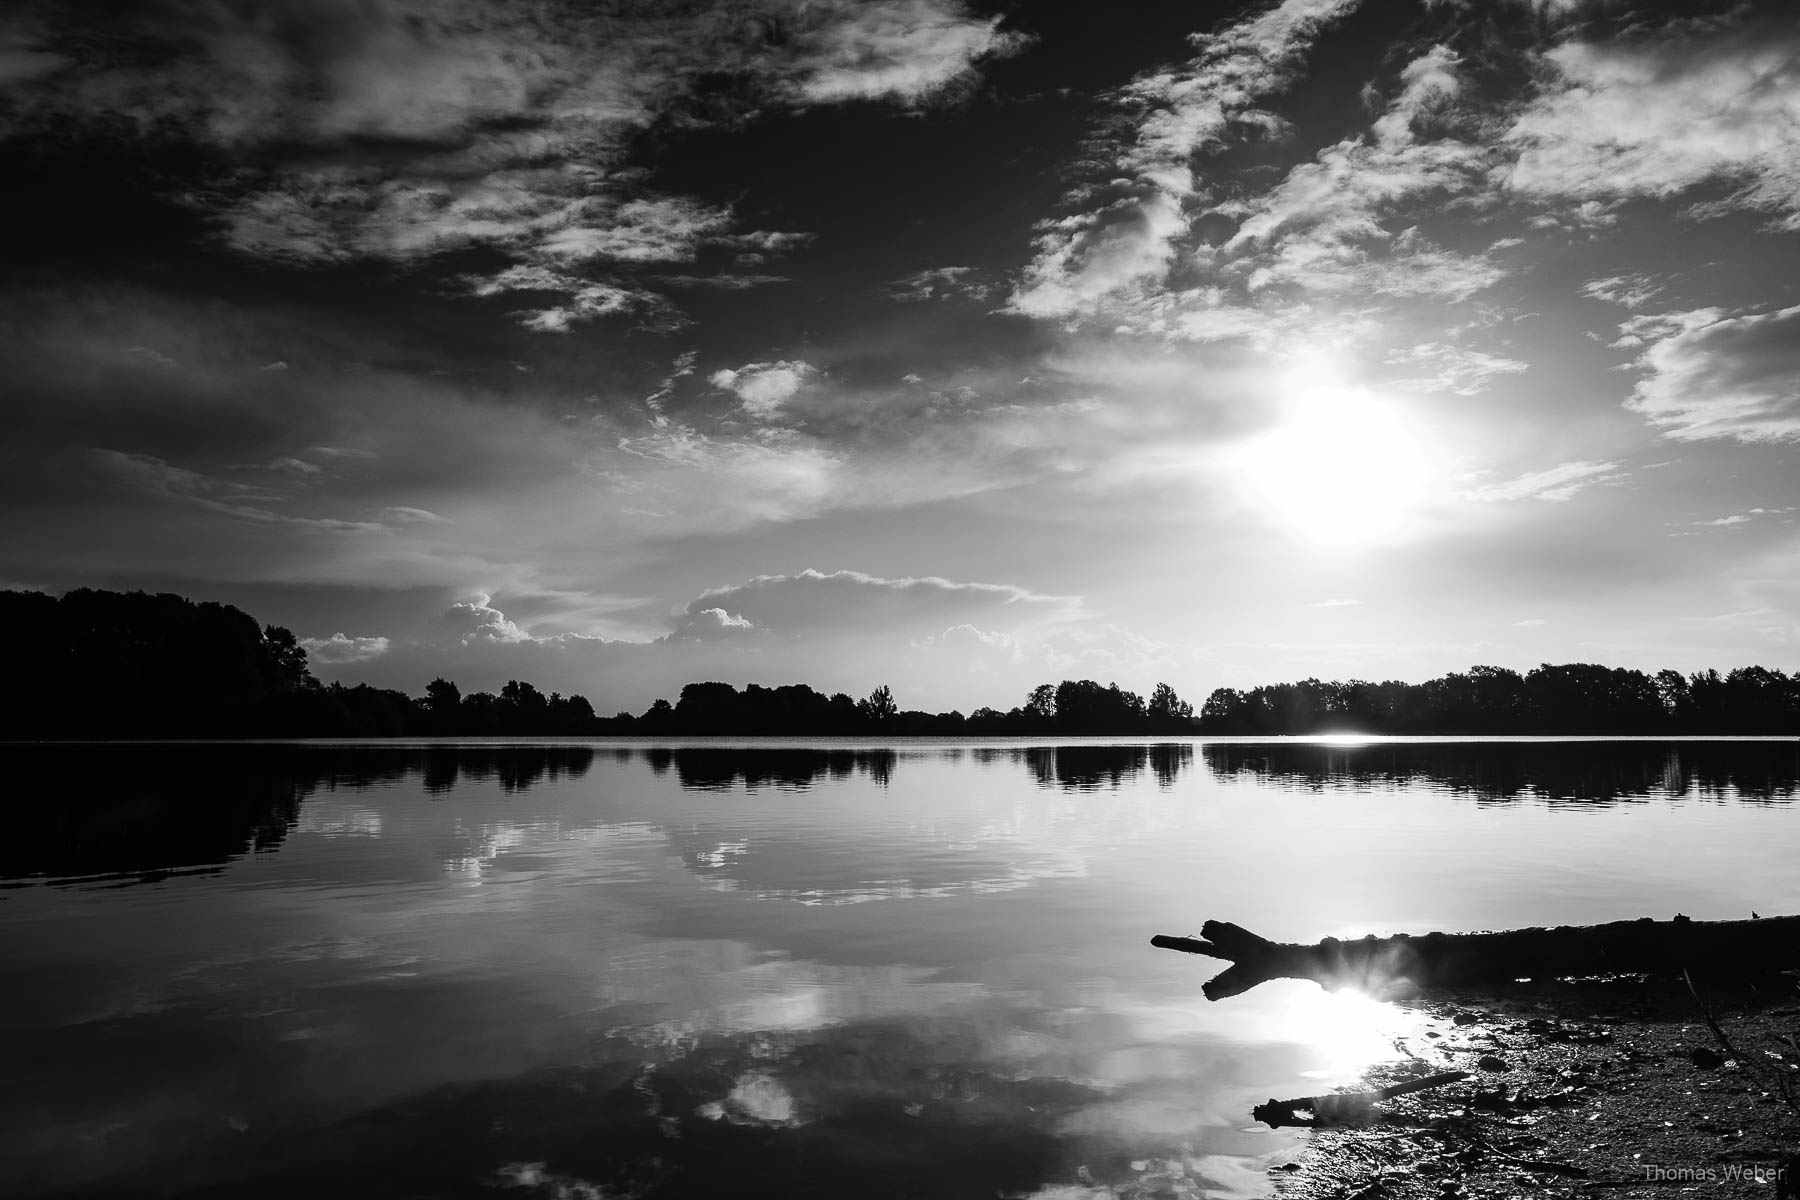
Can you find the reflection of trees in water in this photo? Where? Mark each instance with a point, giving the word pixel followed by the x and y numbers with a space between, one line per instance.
pixel 1077 767
pixel 1087 768
pixel 1603 772
pixel 136 813
pixel 514 767
pixel 718 768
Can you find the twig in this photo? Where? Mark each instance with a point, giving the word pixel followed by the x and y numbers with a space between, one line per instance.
pixel 1345 1108
pixel 1706 1014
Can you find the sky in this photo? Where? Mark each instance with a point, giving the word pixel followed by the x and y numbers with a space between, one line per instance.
pixel 953 346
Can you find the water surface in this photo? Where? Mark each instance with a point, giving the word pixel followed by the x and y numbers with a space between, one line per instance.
pixel 697 970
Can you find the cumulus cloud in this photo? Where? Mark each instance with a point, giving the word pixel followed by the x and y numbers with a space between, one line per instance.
pixel 762 388
pixel 709 623
pixel 1124 232
pixel 340 648
pixel 1661 114
pixel 1713 376
pixel 477 620
pixel 1553 484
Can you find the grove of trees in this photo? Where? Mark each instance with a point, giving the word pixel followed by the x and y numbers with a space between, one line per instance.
pixel 1570 698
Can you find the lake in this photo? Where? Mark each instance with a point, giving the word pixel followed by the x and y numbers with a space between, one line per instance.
pixel 873 970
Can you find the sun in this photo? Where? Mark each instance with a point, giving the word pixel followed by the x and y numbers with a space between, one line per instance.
pixel 1342 467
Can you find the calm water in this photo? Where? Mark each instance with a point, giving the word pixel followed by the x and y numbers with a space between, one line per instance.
pixel 905 970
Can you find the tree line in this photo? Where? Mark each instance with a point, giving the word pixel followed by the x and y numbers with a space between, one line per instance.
pixel 1570 698
pixel 101 664
pixel 1074 706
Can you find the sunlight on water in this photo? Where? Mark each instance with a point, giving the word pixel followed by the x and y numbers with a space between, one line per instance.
pixel 1349 1030
pixel 894 970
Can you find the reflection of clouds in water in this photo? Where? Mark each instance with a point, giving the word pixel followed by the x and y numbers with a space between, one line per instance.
pixel 928 844
pixel 728 988
pixel 330 816
pixel 756 1099
pixel 328 962
pixel 1184 1176
pixel 543 1182
pixel 514 850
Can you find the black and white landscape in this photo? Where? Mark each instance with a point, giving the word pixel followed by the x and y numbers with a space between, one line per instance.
pixel 655 599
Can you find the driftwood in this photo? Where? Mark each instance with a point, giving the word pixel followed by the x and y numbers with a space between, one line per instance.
pixel 1382 966
pixel 1344 1108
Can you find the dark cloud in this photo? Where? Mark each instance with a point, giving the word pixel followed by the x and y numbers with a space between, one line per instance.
pixel 400 131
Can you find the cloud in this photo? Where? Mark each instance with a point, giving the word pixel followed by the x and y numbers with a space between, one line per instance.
pixel 1712 376
pixel 937 283
pixel 477 620
pixel 1661 114
pixel 1627 291
pixel 1125 231
pixel 398 130
pixel 709 623
pixel 906 50
pixel 813 603
pixel 149 475
pixel 762 388
pixel 1322 228
pixel 1553 484
pixel 340 648
pixel 413 516
pixel 1444 367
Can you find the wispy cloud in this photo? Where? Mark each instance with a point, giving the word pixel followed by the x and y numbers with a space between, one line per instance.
pixel 1627 291
pixel 399 130
pixel 1322 227
pixel 938 283
pixel 814 602
pixel 1123 231
pixel 1713 376
pixel 1445 367
pixel 1553 484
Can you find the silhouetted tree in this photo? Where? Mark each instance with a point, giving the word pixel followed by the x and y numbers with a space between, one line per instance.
pixel 1167 712
pixel 879 709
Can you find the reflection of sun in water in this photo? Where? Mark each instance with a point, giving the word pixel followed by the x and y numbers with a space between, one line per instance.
pixel 1349 1031
pixel 1343 467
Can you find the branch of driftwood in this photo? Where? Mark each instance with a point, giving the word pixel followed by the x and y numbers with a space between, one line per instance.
pixel 1383 966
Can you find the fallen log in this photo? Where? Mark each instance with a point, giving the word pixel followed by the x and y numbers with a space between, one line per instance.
pixel 1404 962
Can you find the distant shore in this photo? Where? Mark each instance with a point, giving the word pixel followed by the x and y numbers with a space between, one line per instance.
pixel 108 665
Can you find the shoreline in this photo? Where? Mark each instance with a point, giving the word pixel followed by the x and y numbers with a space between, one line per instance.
pixel 1616 1088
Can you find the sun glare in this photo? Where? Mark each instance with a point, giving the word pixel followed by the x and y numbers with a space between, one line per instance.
pixel 1343 467
pixel 1347 1031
